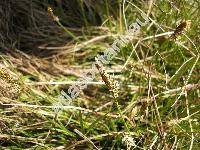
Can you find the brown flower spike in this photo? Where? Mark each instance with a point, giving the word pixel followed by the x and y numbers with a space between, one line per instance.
pixel 9 87
pixel 108 80
pixel 184 26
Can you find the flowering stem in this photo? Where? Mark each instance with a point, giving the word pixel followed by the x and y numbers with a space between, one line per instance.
pixel 120 112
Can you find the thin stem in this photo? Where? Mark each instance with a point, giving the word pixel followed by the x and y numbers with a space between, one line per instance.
pixel 120 112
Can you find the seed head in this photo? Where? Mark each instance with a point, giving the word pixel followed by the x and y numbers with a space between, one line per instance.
pixel 50 11
pixel 9 86
pixel 184 26
pixel 112 84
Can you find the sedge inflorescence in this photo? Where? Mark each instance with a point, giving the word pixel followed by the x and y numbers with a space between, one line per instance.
pixel 183 26
pixel 50 11
pixel 112 84
pixel 9 86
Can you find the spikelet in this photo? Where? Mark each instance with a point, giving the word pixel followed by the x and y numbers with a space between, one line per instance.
pixel 50 12
pixel 9 86
pixel 184 26
pixel 112 84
